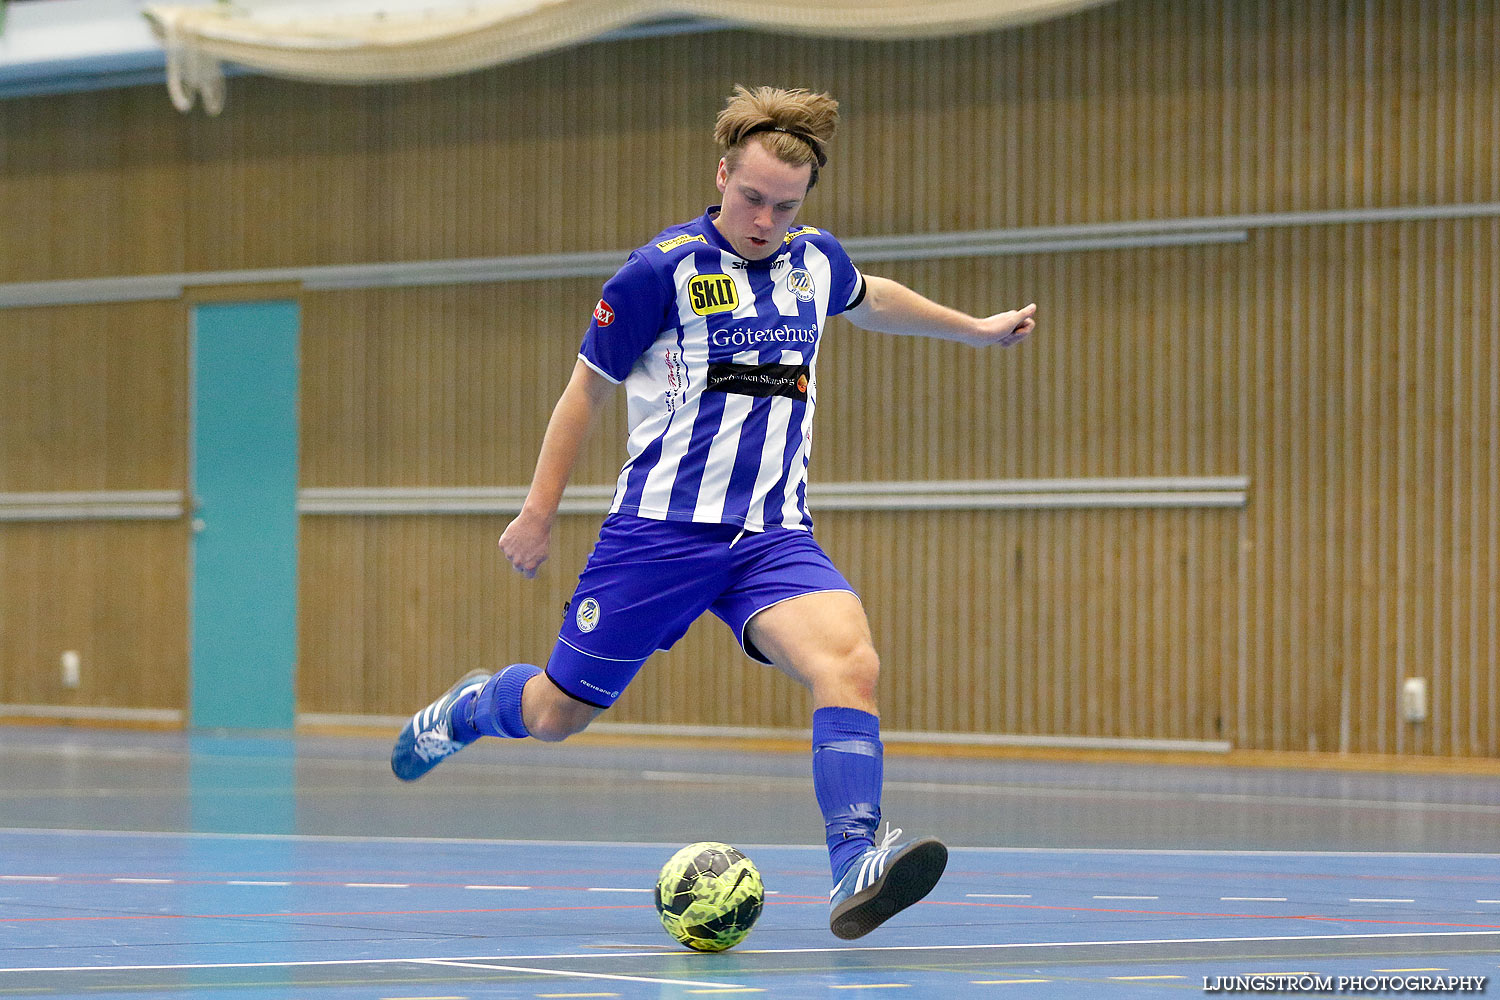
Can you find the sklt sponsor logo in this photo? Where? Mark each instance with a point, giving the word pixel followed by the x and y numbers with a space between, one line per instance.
pixel 713 293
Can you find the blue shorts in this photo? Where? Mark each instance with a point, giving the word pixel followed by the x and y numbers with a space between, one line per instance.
pixel 648 580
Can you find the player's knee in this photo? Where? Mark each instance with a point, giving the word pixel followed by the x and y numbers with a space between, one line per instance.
pixel 557 721
pixel 861 668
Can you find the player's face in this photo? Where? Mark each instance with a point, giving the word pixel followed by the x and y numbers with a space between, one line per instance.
pixel 761 199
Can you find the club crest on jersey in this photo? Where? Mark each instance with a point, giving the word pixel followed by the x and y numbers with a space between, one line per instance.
pixel 588 615
pixel 800 283
pixel 712 293
pixel 603 314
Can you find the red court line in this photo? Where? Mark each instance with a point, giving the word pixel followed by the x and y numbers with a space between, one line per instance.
pixel 339 884
pixel 1182 875
pixel 1214 916
pixel 335 913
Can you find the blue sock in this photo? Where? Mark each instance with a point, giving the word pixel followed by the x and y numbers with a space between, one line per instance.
pixel 848 768
pixel 495 710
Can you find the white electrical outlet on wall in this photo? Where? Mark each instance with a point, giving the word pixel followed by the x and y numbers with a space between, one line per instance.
pixel 1414 699
pixel 71 666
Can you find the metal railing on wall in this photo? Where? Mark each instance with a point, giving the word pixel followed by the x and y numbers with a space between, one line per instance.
pixel 98 505
pixel 976 494
pixel 971 494
pixel 1129 234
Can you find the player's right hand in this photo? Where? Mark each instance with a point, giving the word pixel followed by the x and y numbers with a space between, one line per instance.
pixel 526 542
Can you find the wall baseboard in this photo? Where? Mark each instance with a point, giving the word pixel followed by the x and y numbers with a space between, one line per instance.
pixel 393 723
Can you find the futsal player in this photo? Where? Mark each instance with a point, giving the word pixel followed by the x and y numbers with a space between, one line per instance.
pixel 713 329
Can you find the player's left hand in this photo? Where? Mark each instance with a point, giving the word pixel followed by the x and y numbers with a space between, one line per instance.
pixel 1008 328
pixel 526 543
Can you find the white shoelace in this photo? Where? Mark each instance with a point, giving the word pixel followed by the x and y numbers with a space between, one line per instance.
pixel 892 834
pixel 871 864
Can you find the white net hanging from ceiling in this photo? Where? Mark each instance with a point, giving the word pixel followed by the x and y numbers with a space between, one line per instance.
pixel 371 41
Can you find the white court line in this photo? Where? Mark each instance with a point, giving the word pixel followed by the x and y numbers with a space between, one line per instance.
pixel 500 888
pixel 1359 899
pixel 812 848
pixel 29 878
pixel 566 974
pixel 377 885
pixel 1006 946
pixel 1046 792
pixel 1137 979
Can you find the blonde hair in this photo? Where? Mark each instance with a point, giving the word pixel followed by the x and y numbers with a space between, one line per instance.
pixel 795 126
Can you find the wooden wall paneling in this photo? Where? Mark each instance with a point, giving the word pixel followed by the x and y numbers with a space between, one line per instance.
pixel 27 158
pixel 95 400
pixel 1350 372
pixel 116 592
pixel 1154 110
pixel 89 186
pixel 1488 452
pixel 1387 481
pixel 1461 670
pixel 445 385
pixel 95 397
pixel 429 597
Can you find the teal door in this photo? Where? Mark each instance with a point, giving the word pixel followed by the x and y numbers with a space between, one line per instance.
pixel 244 487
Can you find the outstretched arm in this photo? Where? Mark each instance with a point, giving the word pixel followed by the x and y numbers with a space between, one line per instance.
pixel 891 307
pixel 529 537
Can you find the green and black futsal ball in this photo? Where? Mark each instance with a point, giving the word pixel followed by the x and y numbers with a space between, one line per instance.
pixel 709 896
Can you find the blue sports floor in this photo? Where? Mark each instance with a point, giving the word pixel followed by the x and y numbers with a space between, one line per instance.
pixel 154 865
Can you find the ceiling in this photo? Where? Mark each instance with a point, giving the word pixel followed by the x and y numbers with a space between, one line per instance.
pixel 61 46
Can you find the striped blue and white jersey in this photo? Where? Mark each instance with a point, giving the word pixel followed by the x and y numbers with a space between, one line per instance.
pixel 718 355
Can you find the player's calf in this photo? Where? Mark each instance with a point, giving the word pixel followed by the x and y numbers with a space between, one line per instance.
pixel 555 716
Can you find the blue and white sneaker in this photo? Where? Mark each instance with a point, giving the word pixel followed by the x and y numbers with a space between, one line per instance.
pixel 883 881
pixel 428 737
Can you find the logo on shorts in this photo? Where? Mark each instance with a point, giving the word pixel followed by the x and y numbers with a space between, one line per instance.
pixel 594 687
pixel 603 314
pixel 588 615
pixel 799 282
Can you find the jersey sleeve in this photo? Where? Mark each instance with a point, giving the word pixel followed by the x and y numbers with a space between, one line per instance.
pixel 626 321
pixel 848 284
